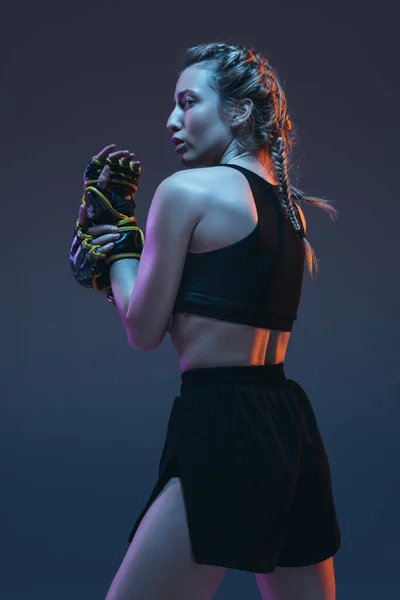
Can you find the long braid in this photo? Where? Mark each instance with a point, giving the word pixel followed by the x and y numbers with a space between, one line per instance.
pixel 280 159
pixel 278 141
pixel 279 156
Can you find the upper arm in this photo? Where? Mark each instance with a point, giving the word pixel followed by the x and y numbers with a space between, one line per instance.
pixel 174 212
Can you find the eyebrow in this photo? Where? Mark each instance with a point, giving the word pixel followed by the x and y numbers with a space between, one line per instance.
pixel 183 92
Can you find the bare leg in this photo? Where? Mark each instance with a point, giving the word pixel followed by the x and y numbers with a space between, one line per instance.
pixel 314 582
pixel 159 564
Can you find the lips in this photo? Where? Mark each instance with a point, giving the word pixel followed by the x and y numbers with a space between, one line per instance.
pixel 180 147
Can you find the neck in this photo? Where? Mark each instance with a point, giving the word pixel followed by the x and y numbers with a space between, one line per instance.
pixel 261 163
pixel 238 156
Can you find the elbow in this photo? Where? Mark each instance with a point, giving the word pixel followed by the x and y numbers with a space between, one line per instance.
pixel 133 342
pixel 139 338
pixel 139 347
pixel 132 337
pixel 138 344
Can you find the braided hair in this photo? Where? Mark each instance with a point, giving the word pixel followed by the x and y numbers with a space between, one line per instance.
pixel 237 73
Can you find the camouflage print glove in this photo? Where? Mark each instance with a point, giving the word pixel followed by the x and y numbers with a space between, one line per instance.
pixel 109 202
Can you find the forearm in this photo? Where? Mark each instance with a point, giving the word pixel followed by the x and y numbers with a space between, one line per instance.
pixel 123 275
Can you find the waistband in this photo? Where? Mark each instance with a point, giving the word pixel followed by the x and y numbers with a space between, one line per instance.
pixel 236 375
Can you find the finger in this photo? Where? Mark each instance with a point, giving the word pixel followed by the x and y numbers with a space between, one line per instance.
pixel 98 230
pixel 104 177
pixel 102 155
pixel 82 216
pixel 131 157
pixel 118 154
pixel 105 239
pixel 104 249
pixel 136 164
pixel 107 247
pixel 127 159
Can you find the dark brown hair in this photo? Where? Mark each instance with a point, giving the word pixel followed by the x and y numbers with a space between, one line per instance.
pixel 237 73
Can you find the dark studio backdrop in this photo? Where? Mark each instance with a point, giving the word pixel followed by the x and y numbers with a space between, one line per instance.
pixel 83 415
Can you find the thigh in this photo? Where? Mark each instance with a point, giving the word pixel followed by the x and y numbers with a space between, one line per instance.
pixel 159 563
pixel 313 582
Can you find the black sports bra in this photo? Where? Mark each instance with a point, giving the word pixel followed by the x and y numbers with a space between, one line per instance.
pixel 256 281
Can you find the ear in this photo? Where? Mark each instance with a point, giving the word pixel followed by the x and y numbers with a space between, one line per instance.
pixel 242 112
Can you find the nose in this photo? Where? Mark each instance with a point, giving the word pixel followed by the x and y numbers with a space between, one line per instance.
pixel 173 124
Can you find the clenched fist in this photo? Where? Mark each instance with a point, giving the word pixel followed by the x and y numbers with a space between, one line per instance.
pixel 106 228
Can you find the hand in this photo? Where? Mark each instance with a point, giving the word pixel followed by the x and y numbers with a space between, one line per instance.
pixel 107 233
pixel 106 229
pixel 124 155
pixel 109 188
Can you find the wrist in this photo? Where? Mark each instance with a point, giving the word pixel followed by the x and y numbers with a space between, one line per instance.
pixel 123 276
pixel 129 245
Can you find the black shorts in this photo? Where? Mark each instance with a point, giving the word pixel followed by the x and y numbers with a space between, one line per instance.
pixel 254 472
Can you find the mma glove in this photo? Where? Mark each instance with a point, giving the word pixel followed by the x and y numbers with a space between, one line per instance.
pixel 113 205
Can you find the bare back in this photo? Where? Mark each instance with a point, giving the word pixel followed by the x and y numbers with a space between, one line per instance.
pixel 229 216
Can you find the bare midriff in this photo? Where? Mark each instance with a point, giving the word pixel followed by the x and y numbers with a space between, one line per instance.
pixel 205 342
pixel 201 341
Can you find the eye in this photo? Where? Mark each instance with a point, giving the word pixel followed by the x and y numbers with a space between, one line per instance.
pixel 188 100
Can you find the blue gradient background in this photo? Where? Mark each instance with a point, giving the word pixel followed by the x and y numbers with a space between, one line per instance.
pixel 83 415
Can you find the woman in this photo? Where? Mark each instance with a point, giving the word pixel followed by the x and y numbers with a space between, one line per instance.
pixel 244 480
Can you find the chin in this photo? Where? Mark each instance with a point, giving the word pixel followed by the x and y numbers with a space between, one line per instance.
pixel 191 163
pixel 197 163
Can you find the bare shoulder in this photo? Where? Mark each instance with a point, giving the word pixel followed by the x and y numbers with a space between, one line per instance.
pixel 201 187
pixel 208 181
pixel 212 183
pixel 201 175
pixel 194 182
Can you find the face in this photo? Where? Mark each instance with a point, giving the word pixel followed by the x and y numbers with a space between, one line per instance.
pixel 196 119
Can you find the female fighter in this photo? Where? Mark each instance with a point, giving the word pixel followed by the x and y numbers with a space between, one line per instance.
pixel 244 480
